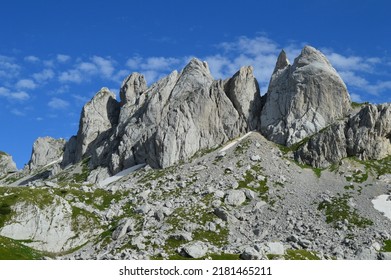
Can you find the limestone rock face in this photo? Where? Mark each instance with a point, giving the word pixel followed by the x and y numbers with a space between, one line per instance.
pixel 7 165
pixel 182 114
pixel 302 98
pixel 49 228
pixel 366 135
pixel 97 118
pixel 131 88
pixel 46 150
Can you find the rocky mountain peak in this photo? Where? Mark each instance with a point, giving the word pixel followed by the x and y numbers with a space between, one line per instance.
pixel 98 116
pixel 282 61
pixel 131 88
pixel 303 99
pixel 46 150
pixel 310 55
pixel 196 74
pixel 7 165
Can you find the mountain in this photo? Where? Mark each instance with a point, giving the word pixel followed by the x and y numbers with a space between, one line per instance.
pixel 193 167
pixel 7 165
pixel 302 98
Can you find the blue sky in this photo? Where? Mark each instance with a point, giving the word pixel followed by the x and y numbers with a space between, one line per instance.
pixel 54 55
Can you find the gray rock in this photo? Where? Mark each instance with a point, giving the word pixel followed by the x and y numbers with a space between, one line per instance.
pixel 195 249
pixel 46 151
pixel 235 197
pixel 364 135
pixel 366 254
pixel 275 248
pixel 305 243
pixel 181 235
pixel 169 121
pixel 97 119
pixel 124 226
pixel 250 253
pixel 302 98
pixel 255 158
pixel 250 194
pixel 7 165
pixel 385 256
pixel 221 213
pixel 132 87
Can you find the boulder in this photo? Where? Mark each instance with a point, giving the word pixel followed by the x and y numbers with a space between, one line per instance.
pixel 195 249
pixel 235 197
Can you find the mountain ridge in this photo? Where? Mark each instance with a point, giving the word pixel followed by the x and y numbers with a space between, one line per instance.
pixel 192 167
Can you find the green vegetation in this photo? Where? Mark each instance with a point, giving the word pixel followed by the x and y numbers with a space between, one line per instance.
pixel 11 195
pixel 11 249
pixel 75 178
pixel 300 255
pixel 250 177
pixel 181 216
pixel 358 105
pixel 358 177
pixel 242 147
pixel 386 246
pixel 338 210
pixel 154 174
pixel 291 254
pixel 377 167
pixel 294 147
pixel 349 187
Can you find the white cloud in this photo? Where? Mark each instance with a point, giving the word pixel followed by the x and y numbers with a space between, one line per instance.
pixel 73 75
pixel 20 96
pixel 63 58
pixel 80 99
pixel 32 59
pixel 252 46
pixel 105 66
pixel 356 63
pixel 14 96
pixel 134 62
pixel 44 75
pixel 17 112
pixel 58 103
pixel 84 70
pixel 26 84
pixel 356 98
pixel 8 68
pixel 159 63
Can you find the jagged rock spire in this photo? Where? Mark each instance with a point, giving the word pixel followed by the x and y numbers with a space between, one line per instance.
pixel 282 61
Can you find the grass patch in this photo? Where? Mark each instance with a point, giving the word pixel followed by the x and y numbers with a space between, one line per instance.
pixel 153 175
pixel 11 249
pixel 386 246
pixel 260 187
pixel 300 255
pixel 292 254
pixel 338 210
pixel 182 216
pixel 242 147
pixel 376 167
pixel 293 148
pixel 356 105
pixel 85 171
